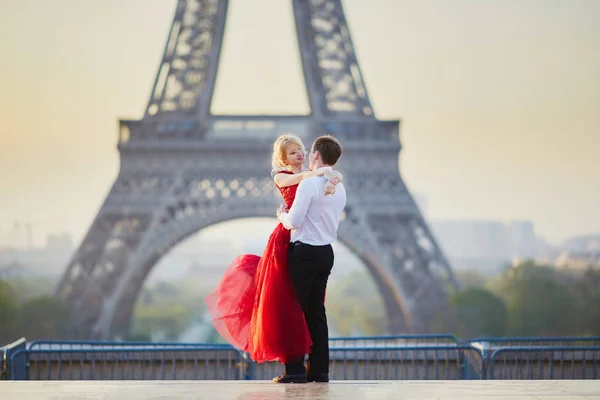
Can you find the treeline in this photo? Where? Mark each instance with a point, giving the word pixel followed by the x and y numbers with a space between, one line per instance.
pixel 32 315
pixel 525 300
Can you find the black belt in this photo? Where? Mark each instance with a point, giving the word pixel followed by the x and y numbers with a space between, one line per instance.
pixel 299 243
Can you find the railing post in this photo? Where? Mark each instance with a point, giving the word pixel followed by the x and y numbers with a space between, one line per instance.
pixel 486 363
pixel 11 370
pixel 19 365
pixel 250 367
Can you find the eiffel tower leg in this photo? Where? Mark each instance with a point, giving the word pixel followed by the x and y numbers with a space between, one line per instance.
pixel 385 228
pixel 99 262
pixel 412 274
pixel 332 75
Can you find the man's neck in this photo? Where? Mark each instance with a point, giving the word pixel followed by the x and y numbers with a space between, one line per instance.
pixel 320 166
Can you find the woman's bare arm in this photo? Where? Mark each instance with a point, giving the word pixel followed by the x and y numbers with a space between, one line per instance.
pixel 285 180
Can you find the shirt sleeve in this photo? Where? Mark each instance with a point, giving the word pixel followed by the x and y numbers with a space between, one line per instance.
pixel 305 195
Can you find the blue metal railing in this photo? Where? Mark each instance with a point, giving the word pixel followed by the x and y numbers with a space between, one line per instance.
pixel 87 344
pixel 448 362
pixel 552 362
pixel 414 357
pixel 343 348
pixel 139 363
pixel 539 341
pixel 394 340
pixel 489 344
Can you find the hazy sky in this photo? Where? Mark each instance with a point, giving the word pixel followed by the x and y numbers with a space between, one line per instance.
pixel 499 99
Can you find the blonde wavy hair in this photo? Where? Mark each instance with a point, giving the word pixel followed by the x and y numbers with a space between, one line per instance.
pixel 279 149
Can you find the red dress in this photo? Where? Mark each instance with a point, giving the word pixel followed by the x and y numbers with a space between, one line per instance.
pixel 255 307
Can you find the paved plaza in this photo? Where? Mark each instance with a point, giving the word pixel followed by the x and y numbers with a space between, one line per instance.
pixel 263 390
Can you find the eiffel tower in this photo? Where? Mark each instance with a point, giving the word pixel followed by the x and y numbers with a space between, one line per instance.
pixel 183 169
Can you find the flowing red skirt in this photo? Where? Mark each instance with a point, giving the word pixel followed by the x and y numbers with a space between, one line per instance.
pixel 255 307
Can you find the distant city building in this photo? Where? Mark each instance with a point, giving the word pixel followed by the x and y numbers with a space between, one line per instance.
pixel 14 270
pixel 522 242
pixel 580 252
pixel 583 243
pixel 469 239
pixel 487 245
pixel 59 241
pixel 580 260
pixel 48 260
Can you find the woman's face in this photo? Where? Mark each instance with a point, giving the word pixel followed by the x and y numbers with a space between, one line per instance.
pixel 294 155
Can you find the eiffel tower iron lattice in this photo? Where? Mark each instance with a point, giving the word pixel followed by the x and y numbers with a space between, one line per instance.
pixel 183 169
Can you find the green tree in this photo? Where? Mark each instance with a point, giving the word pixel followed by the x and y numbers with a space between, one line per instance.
pixel 354 306
pixel 476 312
pixel 30 287
pixel 538 302
pixel 470 278
pixel 166 320
pixel 44 317
pixel 8 314
pixel 587 287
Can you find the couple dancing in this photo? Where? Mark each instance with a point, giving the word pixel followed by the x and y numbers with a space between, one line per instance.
pixel 273 306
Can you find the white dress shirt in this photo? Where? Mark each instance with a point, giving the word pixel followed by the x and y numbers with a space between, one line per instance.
pixel 314 218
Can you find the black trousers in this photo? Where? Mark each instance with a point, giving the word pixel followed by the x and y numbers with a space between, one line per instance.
pixel 310 267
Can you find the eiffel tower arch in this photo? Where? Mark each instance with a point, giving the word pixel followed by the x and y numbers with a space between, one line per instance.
pixel 183 169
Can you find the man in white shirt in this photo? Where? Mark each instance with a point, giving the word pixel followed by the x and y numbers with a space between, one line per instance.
pixel 313 220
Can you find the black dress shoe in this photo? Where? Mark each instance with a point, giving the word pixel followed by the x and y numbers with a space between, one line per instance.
pixel 289 378
pixel 317 377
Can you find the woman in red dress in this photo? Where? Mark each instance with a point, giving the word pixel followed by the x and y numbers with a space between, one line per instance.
pixel 255 307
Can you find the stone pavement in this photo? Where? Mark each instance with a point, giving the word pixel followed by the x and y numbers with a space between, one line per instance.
pixel 264 390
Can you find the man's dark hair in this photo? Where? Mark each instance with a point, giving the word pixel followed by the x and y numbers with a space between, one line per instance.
pixel 329 148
